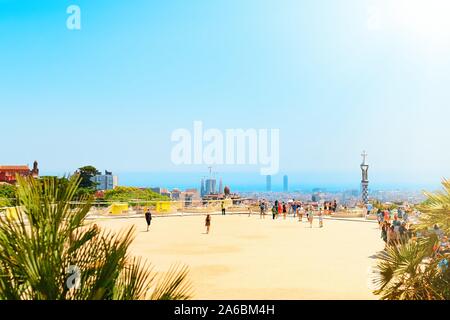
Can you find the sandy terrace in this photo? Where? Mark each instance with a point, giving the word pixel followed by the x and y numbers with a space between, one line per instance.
pixel 248 258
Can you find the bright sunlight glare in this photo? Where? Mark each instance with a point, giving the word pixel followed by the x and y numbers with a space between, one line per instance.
pixel 426 18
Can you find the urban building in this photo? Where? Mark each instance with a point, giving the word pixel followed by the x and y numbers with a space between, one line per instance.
pixel 162 191
pixel 175 194
pixel 202 188
pixel 105 181
pixel 190 197
pixel 220 186
pixel 8 173
pixel 210 186
pixel 165 192
pixel 156 190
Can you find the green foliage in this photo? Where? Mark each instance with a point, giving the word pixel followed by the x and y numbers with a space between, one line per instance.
pixel 436 209
pixel 408 272
pixel 7 195
pixel 377 204
pixel 384 206
pixel 86 173
pixel 127 194
pixel 84 192
pixel 411 270
pixel 7 191
pixel 39 248
pixel 5 202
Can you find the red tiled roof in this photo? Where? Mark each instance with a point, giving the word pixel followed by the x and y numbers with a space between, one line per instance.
pixel 14 168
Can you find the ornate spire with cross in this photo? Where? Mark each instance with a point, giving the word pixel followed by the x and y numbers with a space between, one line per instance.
pixel 365 179
pixel 364 155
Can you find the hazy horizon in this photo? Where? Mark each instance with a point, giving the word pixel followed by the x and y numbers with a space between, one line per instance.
pixel 335 77
pixel 247 181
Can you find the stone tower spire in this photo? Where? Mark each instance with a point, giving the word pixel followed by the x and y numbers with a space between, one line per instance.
pixel 364 179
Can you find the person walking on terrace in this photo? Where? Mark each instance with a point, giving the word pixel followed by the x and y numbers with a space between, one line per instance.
pixel 222 205
pixel 148 218
pixel 207 223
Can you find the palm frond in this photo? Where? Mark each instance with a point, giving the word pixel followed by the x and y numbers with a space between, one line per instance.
pixel 48 239
pixel 173 285
pixel 134 281
pixel 411 270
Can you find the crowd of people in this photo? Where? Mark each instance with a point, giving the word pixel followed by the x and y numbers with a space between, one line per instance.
pixel 394 225
pixel 296 209
pixel 397 227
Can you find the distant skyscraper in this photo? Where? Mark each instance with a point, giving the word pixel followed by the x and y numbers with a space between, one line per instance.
pixel 220 186
pixel 268 183
pixel 285 183
pixel 202 188
pixel 210 186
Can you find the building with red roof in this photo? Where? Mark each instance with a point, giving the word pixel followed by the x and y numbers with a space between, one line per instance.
pixel 8 173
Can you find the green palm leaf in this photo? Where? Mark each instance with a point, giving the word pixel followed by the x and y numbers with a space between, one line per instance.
pixel 48 240
pixel 410 271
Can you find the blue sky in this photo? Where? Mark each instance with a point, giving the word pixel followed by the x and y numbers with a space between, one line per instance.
pixel 335 77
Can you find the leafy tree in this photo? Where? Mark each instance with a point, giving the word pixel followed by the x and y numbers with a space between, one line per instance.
pixel 416 270
pixel 133 194
pixel 48 245
pixel 377 204
pixel 86 174
pixel 7 195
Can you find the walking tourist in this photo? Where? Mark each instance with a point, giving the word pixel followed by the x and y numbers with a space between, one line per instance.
pixel 380 219
pixel 261 208
pixel 148 218
pixel 301 210
pixel 280 209
pixel 321 218
pixel 392 238
pixel 222 205
pixel 294 208
pixel 207 223
pixel 384 231
pixel 310 217
pixel 386 216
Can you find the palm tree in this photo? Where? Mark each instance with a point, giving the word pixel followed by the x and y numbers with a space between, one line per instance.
pixel 414 270
pixel 48 252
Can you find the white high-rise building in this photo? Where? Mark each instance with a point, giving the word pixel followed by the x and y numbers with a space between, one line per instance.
pixel 105 181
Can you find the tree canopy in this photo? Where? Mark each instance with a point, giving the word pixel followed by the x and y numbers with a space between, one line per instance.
pixel 132 193
pixel 86 174
pixel 7 195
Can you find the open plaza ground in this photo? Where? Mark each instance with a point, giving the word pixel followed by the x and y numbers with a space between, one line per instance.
pixel 251 258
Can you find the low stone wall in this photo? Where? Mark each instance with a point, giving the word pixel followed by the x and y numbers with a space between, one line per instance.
pixel 352 213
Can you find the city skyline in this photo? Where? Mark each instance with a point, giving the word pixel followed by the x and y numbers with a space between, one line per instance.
pixel 178 150
pixel 333 81
pixel 254 182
